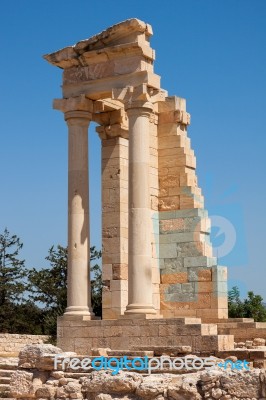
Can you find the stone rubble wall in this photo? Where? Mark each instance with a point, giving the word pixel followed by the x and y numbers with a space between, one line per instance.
pixel 11 344
pixel 35 379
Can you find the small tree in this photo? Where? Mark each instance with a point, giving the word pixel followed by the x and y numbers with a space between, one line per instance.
pixel 235 305
pixel 12 270
pixel 49 286
pixel 254 308
pixel 251 307
pixel 13 303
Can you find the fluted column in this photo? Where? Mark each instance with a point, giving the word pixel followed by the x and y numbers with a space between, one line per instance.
pixel 139 257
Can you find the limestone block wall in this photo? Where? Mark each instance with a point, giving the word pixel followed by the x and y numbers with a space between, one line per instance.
pixel 243 329
pixel 81 336
pixel 191 282
pixel 11 344
pixel 114 226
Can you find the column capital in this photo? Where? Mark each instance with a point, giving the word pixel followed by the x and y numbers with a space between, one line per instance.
pixel 112 124
pixel 74 104
pixel 141 96
pixel 139 107
pixel 81 118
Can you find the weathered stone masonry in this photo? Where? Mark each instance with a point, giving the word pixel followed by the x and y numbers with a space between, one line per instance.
pixel 157 255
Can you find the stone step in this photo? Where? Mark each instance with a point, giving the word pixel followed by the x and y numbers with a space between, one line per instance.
pixel 242 330
pixel 8 363
pixel 4 390
pixel 130 353
pixel 6 372
pixel 5 380
pixel 169 350
pixel 243 354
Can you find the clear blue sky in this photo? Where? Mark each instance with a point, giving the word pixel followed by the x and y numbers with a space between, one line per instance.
pixel 212 52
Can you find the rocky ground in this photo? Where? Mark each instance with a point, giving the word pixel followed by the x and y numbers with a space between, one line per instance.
pixel 36 379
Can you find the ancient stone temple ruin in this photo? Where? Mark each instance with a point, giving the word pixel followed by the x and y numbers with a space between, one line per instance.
pixel 162 285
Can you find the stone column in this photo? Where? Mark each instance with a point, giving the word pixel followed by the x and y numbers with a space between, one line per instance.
pixel 78 114
pixel 139 248
pixel 79 293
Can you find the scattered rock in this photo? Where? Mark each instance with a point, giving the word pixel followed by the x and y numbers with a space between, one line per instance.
pixel 103 396
pixel 210 376
pixel 216 393
pixel 57 374
pixel 152 386
pixel 185 389
pixel 21 384
pixel 40 356
pixel 105 382
pixel 241 345
pixel 45 391
pixel 241 383
pixel 259 342
pixel 100 351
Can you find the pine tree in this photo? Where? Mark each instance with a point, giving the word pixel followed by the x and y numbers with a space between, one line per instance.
pixel 49 286
pixel 12 270
pixel 12 281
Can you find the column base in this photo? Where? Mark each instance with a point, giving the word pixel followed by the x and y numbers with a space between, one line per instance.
pixel 140 311
pixel 79 311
